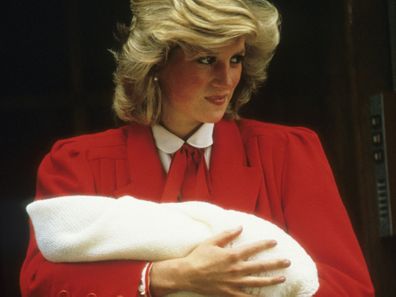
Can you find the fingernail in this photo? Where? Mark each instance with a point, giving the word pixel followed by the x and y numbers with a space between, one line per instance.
pixel 282 279
pixel 286 262
pixel 272 243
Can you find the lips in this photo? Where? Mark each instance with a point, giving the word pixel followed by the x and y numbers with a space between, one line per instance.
pixel 217 99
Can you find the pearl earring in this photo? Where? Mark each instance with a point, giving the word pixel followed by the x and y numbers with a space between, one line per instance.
pixel 155 78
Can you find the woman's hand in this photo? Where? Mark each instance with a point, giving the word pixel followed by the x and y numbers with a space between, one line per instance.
pixel 212 270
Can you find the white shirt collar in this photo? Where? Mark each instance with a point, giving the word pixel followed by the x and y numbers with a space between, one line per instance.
pixel 169 143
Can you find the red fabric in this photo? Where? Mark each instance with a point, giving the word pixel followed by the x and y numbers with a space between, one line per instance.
pixel 187 177
pixel 276 172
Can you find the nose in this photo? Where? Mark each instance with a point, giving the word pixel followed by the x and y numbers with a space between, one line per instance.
pixel 223 75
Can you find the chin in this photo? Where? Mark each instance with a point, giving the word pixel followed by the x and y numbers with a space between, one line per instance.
pixel 214 117
pixel 213 120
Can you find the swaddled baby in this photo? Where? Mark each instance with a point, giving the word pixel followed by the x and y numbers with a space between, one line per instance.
pixel 95 228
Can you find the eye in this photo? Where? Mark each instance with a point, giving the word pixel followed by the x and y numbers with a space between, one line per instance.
pixel 207 60
pixel 237 59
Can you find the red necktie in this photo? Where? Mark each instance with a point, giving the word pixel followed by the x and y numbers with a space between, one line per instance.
pixel 187 177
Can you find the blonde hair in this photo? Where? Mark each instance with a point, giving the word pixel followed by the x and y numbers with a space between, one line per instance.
pixel 160 25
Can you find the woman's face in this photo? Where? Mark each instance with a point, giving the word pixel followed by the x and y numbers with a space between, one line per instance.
pixel 197 88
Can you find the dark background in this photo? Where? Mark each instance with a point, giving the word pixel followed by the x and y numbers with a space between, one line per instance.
pixel 56 81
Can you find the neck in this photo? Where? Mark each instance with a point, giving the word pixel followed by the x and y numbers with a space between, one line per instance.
pixel 183 132
pixel 180 126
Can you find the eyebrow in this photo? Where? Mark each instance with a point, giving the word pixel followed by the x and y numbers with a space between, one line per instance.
pixel 214 53
pixel 242 52
pixel 207 52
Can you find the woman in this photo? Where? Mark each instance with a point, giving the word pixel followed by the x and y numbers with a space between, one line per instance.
pixel 183 73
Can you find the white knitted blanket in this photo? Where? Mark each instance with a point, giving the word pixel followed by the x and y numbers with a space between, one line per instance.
pixel 94 228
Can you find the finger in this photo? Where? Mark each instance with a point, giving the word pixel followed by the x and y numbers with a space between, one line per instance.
pixel 255 267
pixel 225 237
pixel 249 250
pixel 261 281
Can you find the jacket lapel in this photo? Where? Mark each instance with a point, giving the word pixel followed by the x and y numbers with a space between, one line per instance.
pixel 235 185
pixel 147 176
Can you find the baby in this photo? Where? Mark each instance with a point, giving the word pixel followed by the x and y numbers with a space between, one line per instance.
pixel 95 228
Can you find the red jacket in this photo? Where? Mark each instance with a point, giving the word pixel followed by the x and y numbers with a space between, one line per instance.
pixel 279 173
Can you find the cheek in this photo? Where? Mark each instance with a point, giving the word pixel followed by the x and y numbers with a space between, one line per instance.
pixel 234 77
pixel 237 76
pixel 187 87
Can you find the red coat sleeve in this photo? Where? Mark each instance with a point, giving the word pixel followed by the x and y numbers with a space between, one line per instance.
pixel 66 171
pixel 314 214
